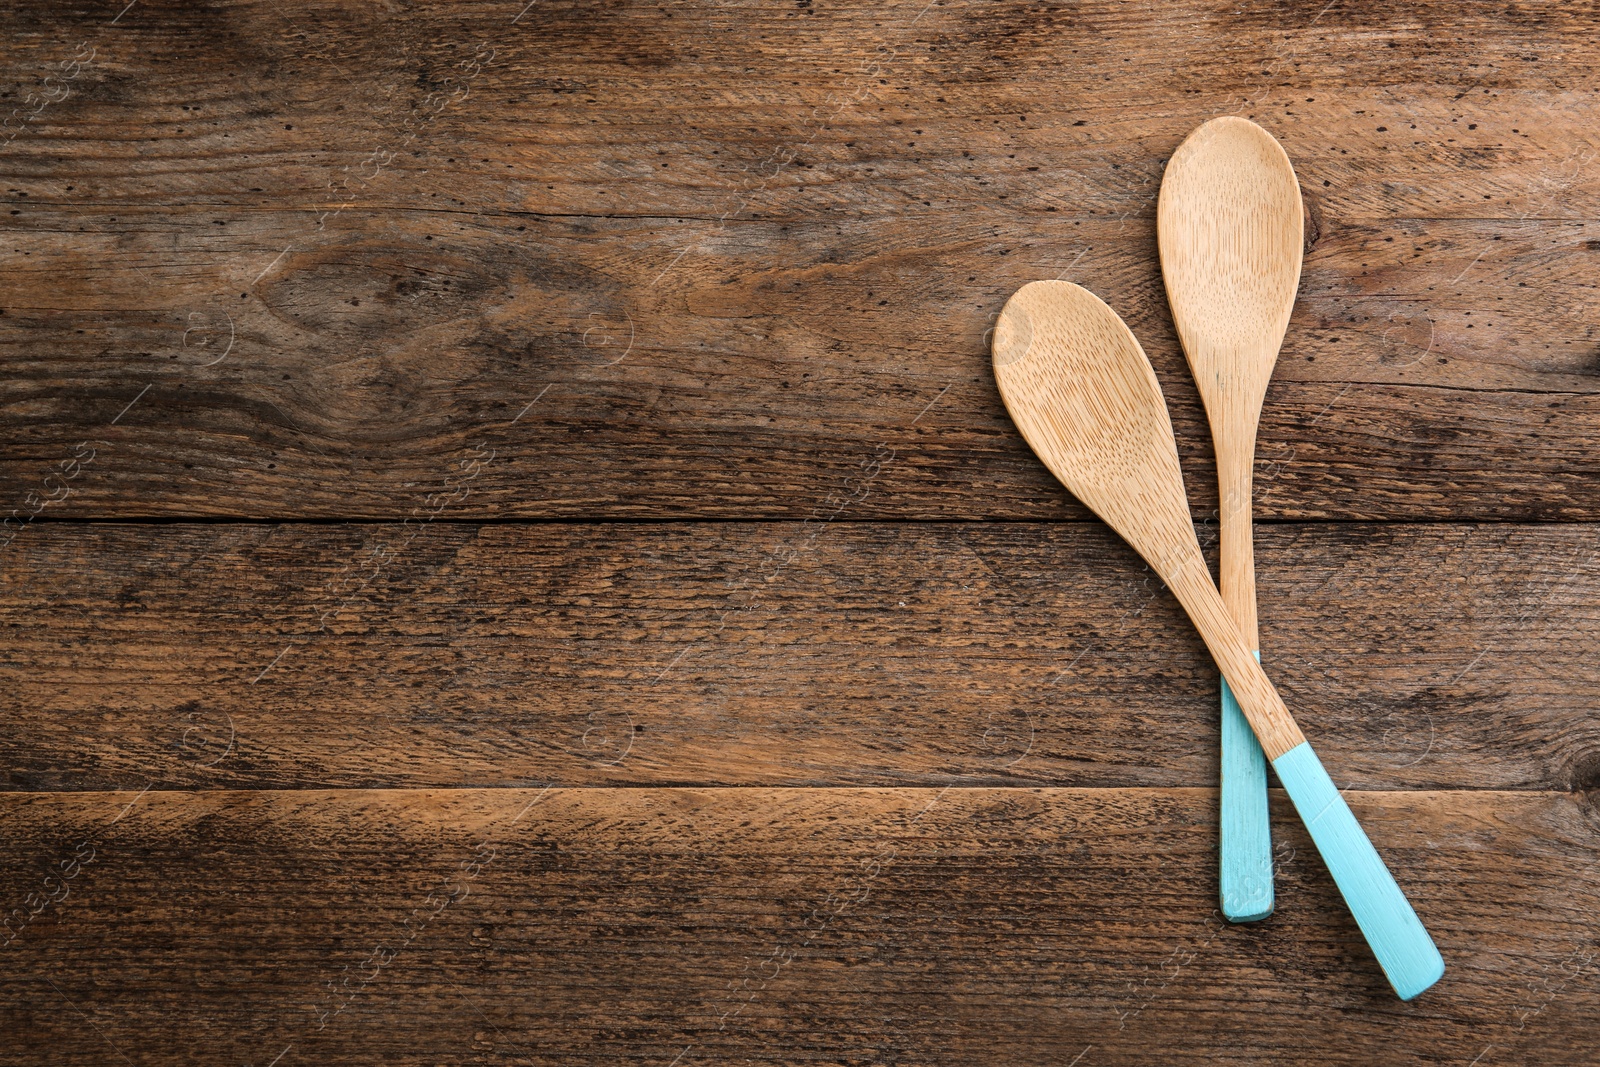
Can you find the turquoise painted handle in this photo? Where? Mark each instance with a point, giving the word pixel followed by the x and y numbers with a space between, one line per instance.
pixel 1245 849
pixel 1407 954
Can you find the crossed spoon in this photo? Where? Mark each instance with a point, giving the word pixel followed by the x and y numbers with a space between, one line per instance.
pixel 1081 390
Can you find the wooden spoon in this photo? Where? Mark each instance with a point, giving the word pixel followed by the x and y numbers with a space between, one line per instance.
pixel 1230 231
pixel 1080 389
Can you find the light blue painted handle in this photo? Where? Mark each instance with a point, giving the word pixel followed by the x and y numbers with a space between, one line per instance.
pixel 1246 839
pixel 1407 954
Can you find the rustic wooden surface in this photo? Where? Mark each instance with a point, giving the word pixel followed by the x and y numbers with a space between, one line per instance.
pixel 776 926
pixel 515 554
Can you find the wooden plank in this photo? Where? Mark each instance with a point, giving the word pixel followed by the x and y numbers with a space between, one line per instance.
pixel 778 654
pixel 607 218
pixel 772 926
pixel 646 109
pixel 360 379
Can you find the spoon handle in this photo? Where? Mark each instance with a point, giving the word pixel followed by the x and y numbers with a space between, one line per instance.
pixel 1245 843
pixel 1408 956
pixel 1244 847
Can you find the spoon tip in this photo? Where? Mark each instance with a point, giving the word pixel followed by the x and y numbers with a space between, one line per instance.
pixel 1235 129
pixel 1013 333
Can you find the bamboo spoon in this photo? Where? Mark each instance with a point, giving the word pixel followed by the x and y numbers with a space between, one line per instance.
pixel 1230 231
pixel 1080 389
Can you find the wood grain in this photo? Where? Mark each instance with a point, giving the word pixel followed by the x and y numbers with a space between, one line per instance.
pixel 767 654
pixel 775 926
pixel 378 289
pixel 409 226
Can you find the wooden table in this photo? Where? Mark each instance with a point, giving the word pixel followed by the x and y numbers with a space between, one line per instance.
pixel 516 556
